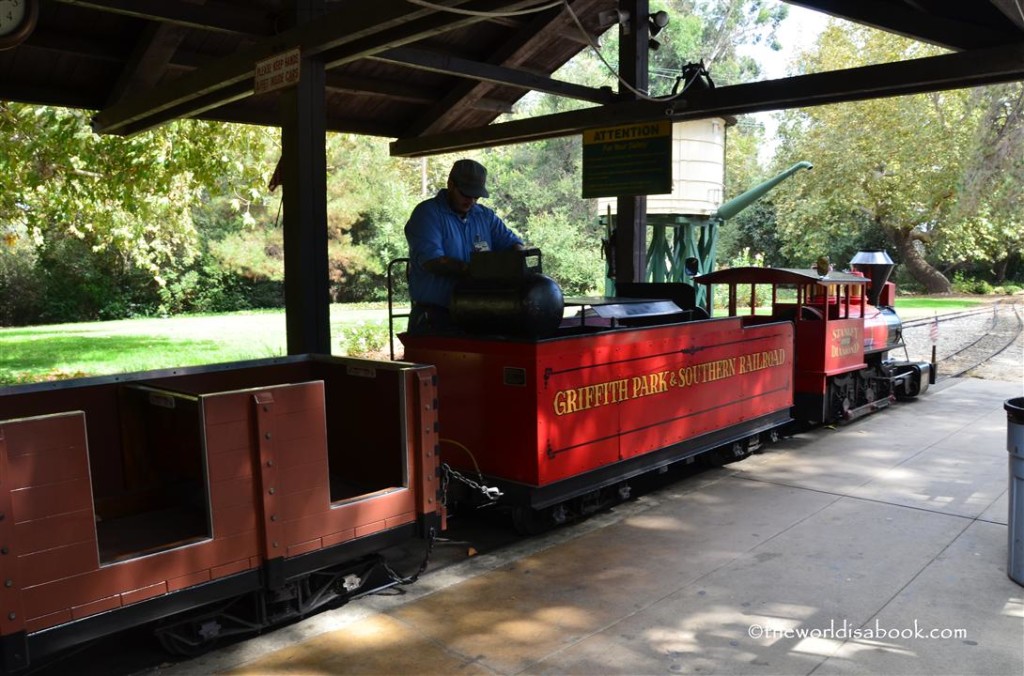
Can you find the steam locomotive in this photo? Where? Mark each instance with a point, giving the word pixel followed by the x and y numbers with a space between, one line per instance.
pixel 556 413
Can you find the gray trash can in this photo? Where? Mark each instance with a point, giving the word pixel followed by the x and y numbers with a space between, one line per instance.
pixel 1015 446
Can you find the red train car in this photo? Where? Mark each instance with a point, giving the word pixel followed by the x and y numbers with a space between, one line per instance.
pixel 556 414
pixel 244 494
pixel 552 420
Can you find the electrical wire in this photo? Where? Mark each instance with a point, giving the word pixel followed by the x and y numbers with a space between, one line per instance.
pixel 496 15
pixel 597 50
pixel 583 31
pixel 469 453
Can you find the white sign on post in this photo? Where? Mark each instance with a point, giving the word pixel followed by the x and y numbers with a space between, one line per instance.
pixel 277 72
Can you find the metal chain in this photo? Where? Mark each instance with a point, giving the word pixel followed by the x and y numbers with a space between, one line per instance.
pixel 490 493
pixel 399 579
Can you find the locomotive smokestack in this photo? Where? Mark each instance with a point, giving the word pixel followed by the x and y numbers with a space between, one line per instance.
pixel 876 266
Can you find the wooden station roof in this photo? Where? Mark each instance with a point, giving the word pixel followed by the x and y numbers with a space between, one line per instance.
pixel 431 79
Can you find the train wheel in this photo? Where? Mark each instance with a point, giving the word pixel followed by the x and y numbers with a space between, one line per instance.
pixel 723 455
pixel 189 639
pixel 843 397
pixel 528 521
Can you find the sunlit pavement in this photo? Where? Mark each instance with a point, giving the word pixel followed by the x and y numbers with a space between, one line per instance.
pixel 879 547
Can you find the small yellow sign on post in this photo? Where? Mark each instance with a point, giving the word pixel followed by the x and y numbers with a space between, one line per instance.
pixel 632 159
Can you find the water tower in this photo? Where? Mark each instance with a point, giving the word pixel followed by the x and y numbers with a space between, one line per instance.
pixel 684 224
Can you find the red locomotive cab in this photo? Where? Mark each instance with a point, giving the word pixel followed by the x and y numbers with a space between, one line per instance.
pixel 828 315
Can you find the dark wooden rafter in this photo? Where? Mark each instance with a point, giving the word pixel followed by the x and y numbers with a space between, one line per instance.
pixel 1012 10
pixel 415 28
pixel 338 83
pixel 445 63
pixel 936 73
pixel 513 53
pixel 341 83
pixel 153 51
pixel 493 105
pixel 899 18
pixel 40 94
pixel 337 38
pixel 75 45
pixel 212 16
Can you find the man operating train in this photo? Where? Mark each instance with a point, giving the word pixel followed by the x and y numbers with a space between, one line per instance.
pixel 443 232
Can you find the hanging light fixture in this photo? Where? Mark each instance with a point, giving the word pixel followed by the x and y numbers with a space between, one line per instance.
pixel 655 22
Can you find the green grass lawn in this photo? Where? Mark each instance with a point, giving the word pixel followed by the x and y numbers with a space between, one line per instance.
pixel 30 354
pixel 945 304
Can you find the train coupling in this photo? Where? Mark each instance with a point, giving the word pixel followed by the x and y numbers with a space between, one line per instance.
pixel 913 378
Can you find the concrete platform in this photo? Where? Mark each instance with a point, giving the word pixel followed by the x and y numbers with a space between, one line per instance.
pixel 837 551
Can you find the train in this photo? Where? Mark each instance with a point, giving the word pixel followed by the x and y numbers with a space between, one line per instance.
pixel 211 501
pixel 551 412
pixel 219 500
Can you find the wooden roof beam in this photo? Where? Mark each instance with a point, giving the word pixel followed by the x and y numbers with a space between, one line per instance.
pixel 153 51
pixel 484 72
pixel 1011 9
pixel 897 18
pixel 337 38
pixel 936 73
pixel 516 51
pixel 211 16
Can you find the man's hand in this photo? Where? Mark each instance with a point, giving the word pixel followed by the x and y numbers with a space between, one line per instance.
pixel 447 267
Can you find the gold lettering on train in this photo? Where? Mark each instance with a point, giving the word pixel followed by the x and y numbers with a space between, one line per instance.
pixel 576 399
pixel 845 341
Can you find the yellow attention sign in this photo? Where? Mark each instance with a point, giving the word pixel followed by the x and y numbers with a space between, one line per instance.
pixel 576 399
pixel 625 134
pixel 632 159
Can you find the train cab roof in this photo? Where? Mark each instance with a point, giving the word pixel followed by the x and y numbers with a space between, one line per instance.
pixel 779 276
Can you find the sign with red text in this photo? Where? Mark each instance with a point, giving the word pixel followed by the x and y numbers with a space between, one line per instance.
pixel 277 72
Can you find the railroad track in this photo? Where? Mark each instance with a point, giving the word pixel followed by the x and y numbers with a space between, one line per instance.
pixel 969 345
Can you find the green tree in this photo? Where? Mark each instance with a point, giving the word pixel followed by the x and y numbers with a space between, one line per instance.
pixel 113 213
pixel 890 166
pixel 369 198
pixel 991 236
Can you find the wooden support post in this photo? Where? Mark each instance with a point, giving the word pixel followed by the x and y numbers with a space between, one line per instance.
pixel 304 174
pixel 630 254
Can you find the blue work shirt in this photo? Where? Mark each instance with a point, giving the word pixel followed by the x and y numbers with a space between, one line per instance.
pixel 434 230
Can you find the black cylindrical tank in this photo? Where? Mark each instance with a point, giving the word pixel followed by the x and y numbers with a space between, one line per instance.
pixel 528 307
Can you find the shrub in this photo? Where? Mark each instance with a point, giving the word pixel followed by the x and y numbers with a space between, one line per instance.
pixel 963 284
pixel 366 339
pixel 21 289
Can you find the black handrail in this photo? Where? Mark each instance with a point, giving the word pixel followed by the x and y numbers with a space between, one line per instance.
pixel 391 299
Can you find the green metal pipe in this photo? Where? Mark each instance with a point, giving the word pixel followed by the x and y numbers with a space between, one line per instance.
pixel 744 200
